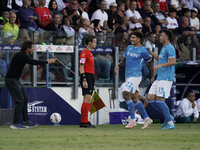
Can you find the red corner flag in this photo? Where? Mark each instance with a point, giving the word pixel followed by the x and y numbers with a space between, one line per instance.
pixel 96 103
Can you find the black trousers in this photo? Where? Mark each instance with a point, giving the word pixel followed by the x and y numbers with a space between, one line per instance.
pixel 18 94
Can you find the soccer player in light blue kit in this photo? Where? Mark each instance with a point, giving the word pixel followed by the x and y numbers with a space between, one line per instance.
pixel 133 60
pixel 160 89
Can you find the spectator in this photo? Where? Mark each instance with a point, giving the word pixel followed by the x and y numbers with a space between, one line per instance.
pixel 186 48
pixel 54 25
pixel 150 41
pixel 60 4
pixel 8 39
pixel 53 8
pixel 184 27
pixel 93 6
pixel 175 43
pixel 5 17
pixel 22 36
pixel 147 26
pixel 48 40
pixel 161 18
pixel 146 11
pixel 173 24
pixel 3 66
pixel 111 16
pixel 124 27
pixel 122 43
pixel 69 31
pixel 194 20
pixel 178 5
pixel 163 6
pixel 140 4
pixel 34 36
pixel 44 13
pixel 157 29
pixel 185 12
pixel 11 26
pixel 97 25
pixel 108 2
pixel 81 10
pixel 120 12
pixel 138 27
pixel 70 11
pixel 191 3
pixel 187 109
pixel 133 15
pixel 101 15
pixel 28 17
pixel 85 29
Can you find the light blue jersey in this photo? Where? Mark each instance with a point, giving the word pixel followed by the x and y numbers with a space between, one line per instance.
pixel 166 73
pixel 135 59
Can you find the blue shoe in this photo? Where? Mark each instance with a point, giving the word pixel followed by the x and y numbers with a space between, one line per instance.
pixel 17 126
pixel 29 124
pixel 168 127
pixel 165 122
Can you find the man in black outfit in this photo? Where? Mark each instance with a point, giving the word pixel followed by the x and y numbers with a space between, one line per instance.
pixel 16 89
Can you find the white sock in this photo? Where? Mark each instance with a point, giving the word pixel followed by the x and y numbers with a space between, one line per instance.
pixel 132 120
pixel 146 118
pixel 170 122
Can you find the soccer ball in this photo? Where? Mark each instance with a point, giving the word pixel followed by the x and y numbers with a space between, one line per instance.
pixel 55 118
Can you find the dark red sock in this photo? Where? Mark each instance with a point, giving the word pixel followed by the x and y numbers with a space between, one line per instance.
pixel 84 112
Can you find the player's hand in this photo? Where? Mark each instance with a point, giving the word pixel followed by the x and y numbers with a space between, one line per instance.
pixel 156 67
pixel 193 105
pixel 115 70
pixel 85 84
pixel 152 80
pixel 50 61
pixel 184 4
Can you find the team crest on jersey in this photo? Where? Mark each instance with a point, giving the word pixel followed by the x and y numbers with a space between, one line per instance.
pixel 83 54
pixel 82 61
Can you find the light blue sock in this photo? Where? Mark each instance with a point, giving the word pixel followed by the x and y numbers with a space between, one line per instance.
pixel 155 105
pixel 165 109
pixel 131 108
pixel 141 109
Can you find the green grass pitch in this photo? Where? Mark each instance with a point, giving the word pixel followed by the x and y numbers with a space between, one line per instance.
pixel 104 137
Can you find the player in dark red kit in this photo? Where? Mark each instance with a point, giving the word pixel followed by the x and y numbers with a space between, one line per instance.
pixel 87 78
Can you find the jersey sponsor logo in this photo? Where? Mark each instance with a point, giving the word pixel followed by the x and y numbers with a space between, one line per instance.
pixel 171 23
pixel 133 55
pixel 82 61
pixel 83 54
pixel 162 1
pixel 161 56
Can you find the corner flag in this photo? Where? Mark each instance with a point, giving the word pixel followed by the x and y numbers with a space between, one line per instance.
pixel 96 103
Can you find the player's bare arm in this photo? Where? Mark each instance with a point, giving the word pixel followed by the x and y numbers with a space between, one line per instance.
pixel 120 64
pixel 171 62
pixel 81 69
pixel 151 70
pixel 153 54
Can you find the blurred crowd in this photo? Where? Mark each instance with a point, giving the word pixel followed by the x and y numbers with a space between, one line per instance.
pixel 68 22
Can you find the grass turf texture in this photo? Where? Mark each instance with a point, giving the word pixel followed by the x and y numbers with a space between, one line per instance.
pixel 104 137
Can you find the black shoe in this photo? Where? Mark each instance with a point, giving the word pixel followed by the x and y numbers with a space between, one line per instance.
pixel 29 124
pixel 86 125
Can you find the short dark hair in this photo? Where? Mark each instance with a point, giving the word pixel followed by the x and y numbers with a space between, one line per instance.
pixel 184 11
pixel 95 22
pixel 188 93
pixel 172 9
pixel 55 14
pixel 90 38
pixel 138 35
pixel 25 45
pixel 168 33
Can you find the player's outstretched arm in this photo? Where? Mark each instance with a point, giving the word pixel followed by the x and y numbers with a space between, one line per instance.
pixel 50 61
pixel 153 54
pixel 120 64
